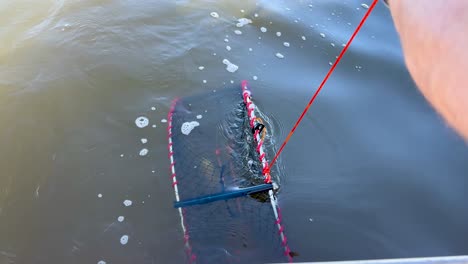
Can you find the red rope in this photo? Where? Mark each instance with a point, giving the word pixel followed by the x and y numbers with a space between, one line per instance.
pixel 323 82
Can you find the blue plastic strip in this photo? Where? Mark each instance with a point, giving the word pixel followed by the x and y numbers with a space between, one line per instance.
pixel 224 195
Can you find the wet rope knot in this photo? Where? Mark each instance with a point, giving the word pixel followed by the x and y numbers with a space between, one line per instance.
pixel 266 173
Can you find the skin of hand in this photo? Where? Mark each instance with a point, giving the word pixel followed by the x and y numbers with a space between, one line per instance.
pixel 434 37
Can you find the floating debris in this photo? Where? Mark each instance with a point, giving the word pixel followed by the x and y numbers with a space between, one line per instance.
pixel 250 49
pixel 163 120
pixel 365 6
pixel 279 55
pixel 228 48
pixel 124 240
pixel 204 81
pixel 121 155
pixel 332 44
pixel 263 29
pixel 101 262
pixel 286 44
pixel 322 35
pixel 144 140
pixel 242 10
pixel 127 203
pixel 255 15
pixel 278 34
pixel 143 152
pixel 303 38
pixel 154 126
pixel 201 68
pixel 141 121
pixel 255 77
pixel 187 127
pixel 230 67
pixel 200 116
pixel 214 14
pixel 243 21
pixel 99 195
pixel 330 63
pixel 226 40
pixel 237 32
pixel 153 108
pixel 121 218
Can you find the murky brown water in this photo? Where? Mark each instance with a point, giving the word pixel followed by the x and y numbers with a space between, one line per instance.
pixel 372 172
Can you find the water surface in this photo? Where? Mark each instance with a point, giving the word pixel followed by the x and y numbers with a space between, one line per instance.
pixel 372 172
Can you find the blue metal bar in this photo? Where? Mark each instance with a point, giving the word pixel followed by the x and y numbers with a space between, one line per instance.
pixel 224 195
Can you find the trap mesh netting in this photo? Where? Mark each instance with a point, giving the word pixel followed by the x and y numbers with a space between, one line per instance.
pixel 218 148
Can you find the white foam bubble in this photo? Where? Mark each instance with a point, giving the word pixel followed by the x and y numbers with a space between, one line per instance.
pixel 286 44
pixel 243 21
pixel 228 48
pixel 201 68
pixel 144 140
pixel 143 152
pixel 226 40
pixel 163 120
pixel 99 195
pixel 365 6
pixel 124 240
pixel 230 67
pixel 303 38
pixel 101 262
pixel 141 121
pixel 121 218
pixel 322 35
pixel 199 116
pixel 187 127
pixel 255 77
pixel 153 108
pixel 214 14
pixel 279 55
pixel 127 203
pixel 278 34
pixel 237 32
pixel 263 29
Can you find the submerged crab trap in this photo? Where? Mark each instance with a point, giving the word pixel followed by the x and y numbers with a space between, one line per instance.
pixel 218 146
